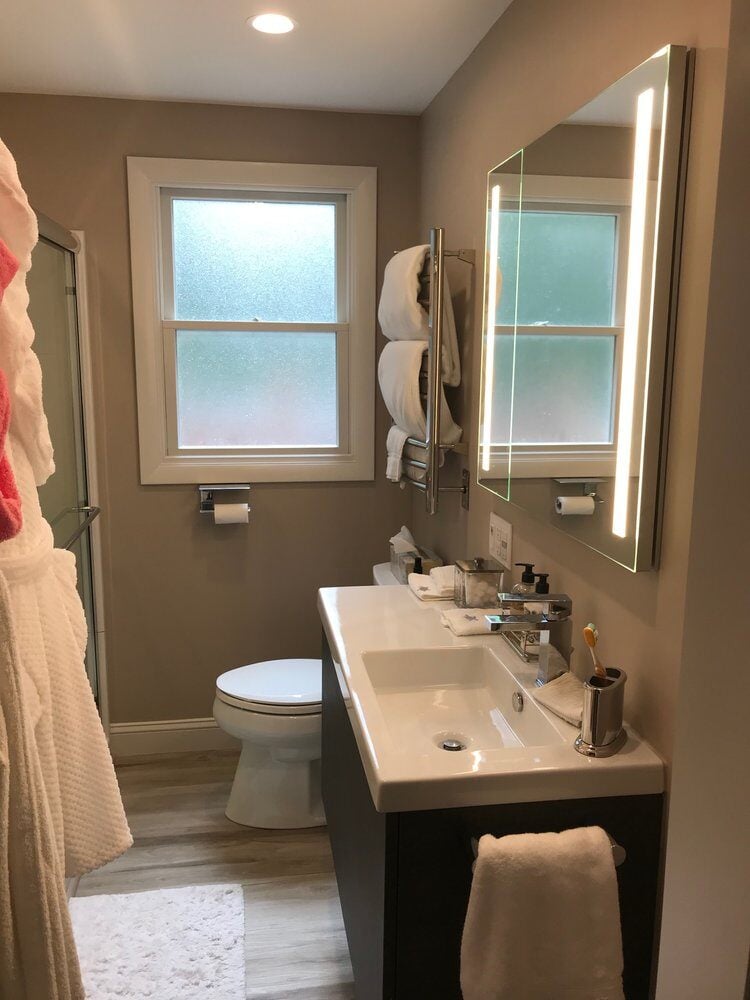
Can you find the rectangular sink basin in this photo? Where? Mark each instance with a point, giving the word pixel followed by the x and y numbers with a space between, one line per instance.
pixel 453 699
pixel 409 685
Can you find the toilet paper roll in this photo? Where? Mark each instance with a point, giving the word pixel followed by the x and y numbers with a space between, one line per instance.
pixel 575 505
pixel 231 513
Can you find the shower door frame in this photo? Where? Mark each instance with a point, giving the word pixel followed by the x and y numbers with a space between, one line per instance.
pixel 75 242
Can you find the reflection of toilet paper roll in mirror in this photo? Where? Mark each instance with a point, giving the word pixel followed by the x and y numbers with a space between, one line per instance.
pixel 231 513
pixel 575 505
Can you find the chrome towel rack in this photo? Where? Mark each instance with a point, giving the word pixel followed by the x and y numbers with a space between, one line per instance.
pixel 435 279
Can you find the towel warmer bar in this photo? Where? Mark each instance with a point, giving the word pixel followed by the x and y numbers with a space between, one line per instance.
pixel 432 278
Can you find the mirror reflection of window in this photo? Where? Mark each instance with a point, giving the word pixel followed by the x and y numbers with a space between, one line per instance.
pixel 563 249
pixel 569 305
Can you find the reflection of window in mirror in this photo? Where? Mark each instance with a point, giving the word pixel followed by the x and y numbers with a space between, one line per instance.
pixel 565 261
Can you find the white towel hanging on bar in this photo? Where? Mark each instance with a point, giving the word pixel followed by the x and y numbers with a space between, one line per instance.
pixel 401 315
pixel 398 374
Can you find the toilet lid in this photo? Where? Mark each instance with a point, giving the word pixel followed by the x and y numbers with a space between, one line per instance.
pixel 286 684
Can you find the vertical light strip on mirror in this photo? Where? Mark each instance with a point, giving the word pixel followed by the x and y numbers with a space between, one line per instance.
pixel 489 357
pixel 641 158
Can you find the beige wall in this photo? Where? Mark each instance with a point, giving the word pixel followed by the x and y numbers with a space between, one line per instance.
pixel 706 919
pixel 186 600
pixel 540 62
pixel 581 151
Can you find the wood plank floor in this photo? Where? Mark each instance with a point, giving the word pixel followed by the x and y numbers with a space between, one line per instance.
pixel 294 937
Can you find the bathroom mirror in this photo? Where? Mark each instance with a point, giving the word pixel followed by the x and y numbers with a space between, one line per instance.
pixel 581 263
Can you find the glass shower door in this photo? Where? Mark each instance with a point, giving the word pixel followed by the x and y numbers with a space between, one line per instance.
pixel 64 497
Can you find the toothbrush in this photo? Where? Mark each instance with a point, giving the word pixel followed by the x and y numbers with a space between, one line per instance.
pixel 590 635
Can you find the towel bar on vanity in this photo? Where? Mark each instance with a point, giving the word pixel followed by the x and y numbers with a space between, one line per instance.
pixel 619 854
pixel 432 278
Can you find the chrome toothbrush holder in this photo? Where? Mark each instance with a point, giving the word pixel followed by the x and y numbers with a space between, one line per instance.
pixel 602 732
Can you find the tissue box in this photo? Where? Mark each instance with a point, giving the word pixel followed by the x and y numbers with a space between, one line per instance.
pixel 402 563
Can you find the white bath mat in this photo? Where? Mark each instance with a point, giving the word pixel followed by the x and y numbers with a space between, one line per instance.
pixel 172 944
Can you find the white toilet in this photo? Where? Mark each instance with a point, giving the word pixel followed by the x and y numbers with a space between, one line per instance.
pixel 274 709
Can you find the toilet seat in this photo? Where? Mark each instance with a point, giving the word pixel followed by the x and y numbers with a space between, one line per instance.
pixel 274 687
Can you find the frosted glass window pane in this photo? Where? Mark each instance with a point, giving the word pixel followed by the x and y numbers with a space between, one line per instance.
pixel 502 388
pixel 256 389
pixel 567 268
pixel 266 261
pixel 563 391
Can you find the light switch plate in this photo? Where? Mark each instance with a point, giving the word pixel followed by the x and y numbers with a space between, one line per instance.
pixel 501 541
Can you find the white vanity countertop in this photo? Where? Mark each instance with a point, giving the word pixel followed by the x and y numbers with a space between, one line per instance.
pixel 413 772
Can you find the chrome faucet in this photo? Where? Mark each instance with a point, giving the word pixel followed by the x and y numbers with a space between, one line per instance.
pixel 515 617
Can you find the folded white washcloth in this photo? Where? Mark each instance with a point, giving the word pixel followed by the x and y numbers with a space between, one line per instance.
pixel 556 883
pixel 563 696
pixel 395 449
pixel 467 621
pixel 398 375
pixel 427 590
pixel 444 578
pixel 402 317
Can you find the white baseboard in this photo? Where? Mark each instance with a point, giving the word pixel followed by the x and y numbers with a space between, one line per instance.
pixel 131 739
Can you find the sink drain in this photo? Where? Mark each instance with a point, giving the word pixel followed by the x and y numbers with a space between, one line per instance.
pixel 452 740
pixel 452 745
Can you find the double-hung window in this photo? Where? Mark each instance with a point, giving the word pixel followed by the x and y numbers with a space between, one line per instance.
pixel 253 294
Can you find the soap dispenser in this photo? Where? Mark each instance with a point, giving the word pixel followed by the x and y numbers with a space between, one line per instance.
pixel 526 586
pixel 542 586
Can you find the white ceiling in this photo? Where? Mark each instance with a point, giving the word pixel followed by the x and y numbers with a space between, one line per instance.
pixel 369 55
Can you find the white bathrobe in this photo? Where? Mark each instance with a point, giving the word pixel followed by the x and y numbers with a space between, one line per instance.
pixel 61 808
pixel 37 951
pixel 82 792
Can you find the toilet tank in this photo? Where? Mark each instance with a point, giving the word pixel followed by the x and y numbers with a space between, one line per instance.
pixel 382 576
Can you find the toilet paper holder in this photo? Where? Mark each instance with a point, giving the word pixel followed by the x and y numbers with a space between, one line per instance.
pixel 206 494
pixel 587 484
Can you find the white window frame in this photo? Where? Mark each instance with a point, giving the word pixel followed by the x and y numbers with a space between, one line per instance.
pixel 162 460
pixel 609 196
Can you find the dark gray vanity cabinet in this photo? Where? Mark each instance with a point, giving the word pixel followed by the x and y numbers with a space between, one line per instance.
pixel 404 878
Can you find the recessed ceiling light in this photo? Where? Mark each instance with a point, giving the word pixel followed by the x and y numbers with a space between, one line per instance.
pixel 272 24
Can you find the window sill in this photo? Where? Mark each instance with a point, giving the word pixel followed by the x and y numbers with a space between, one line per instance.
pixel 228 469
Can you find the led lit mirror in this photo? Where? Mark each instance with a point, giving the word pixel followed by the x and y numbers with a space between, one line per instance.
pixel 579 308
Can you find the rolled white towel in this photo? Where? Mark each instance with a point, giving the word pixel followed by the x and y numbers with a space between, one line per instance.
pixel 398 374
pixel 400 315
pixel 467 621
